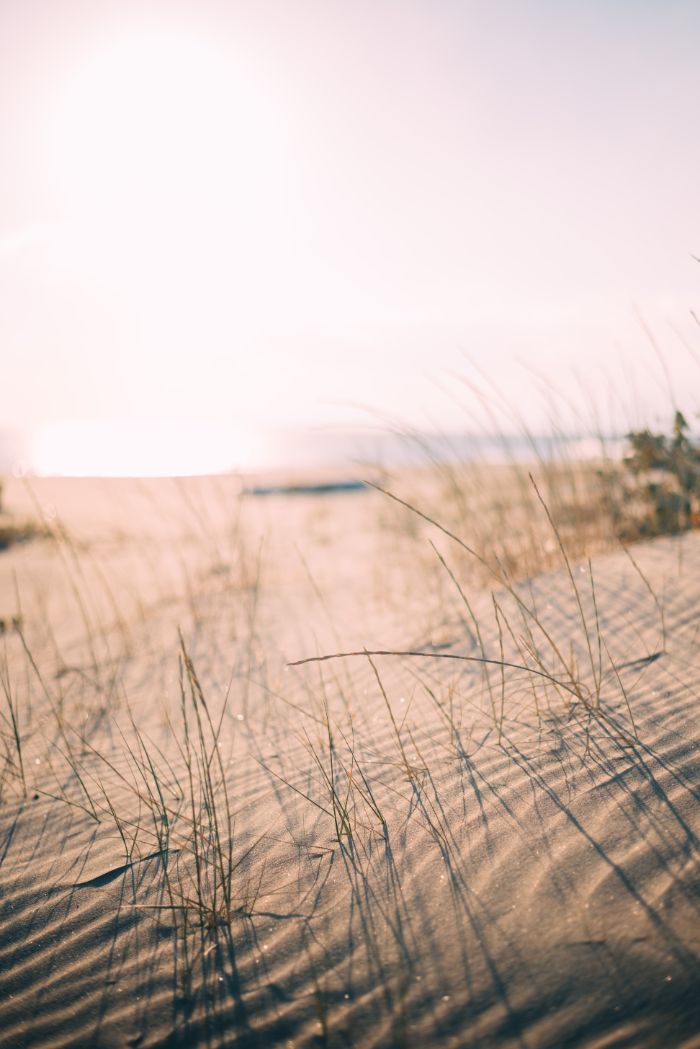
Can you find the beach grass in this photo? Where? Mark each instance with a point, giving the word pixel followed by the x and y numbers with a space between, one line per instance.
pixel 319 771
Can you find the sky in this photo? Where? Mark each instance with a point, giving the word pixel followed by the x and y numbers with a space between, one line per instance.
pixel 220 217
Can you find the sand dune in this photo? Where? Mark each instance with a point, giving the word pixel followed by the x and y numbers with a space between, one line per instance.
pixel 381 850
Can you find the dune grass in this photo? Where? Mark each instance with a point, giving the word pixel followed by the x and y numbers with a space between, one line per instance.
pixel 165 785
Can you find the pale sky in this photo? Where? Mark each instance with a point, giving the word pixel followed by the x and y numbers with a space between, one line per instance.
pixel 264 213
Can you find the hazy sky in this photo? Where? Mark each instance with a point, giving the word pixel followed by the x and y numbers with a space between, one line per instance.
pixel 263 212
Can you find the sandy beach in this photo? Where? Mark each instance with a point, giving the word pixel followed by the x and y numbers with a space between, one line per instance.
pixel 491 841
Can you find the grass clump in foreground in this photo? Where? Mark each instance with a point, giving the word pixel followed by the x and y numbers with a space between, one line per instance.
pixel 579 679
pixel 177 804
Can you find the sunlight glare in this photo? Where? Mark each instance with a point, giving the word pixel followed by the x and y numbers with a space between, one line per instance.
pixel 138 448
pixel 170 146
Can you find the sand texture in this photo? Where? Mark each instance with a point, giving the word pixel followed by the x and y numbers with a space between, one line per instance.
pixel 203 846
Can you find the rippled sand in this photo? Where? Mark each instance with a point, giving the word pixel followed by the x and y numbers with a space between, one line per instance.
pixel 424 850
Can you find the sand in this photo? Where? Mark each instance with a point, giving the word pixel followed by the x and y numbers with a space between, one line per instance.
pixel 424 852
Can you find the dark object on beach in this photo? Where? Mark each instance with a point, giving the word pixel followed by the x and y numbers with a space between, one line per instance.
pixel 16 533
pixel 325 488
pixel 15 623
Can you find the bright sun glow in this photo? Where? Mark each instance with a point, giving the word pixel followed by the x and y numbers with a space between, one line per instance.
pixel 303 214
pixel 170 163
pixel 160 116
pixel 127 447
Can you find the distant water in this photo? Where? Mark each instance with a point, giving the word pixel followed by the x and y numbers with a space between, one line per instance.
pixel 127 448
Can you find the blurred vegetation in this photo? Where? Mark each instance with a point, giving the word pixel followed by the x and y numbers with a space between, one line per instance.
pixel 658 490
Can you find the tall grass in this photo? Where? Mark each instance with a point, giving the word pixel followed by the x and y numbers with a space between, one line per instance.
pixel 155 766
